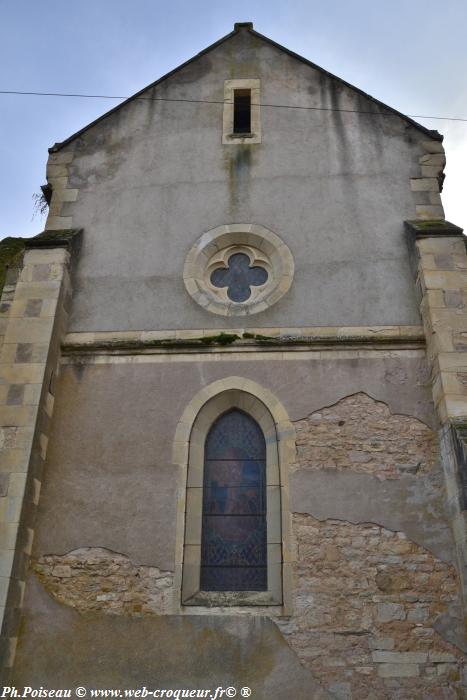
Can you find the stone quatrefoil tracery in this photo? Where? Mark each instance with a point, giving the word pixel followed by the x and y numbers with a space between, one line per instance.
pixel 239 277
pixel 238 269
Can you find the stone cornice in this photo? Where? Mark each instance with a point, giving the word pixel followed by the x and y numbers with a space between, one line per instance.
pixel 54 238
pixel 125 342
pixel 432 228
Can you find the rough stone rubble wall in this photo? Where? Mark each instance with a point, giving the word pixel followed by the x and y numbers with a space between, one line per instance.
pixel 368 598
pixel 360 433
pixel 93 578
pixel 365 605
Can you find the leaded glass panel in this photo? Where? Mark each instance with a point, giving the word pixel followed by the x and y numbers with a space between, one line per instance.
pixel 238 277
pixel 233 549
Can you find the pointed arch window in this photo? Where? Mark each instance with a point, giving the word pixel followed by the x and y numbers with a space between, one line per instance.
pixel 232 551
pixel 234 535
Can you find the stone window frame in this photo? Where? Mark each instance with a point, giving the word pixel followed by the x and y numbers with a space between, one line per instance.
pixel 262 246
pixel 228 136
pixel 188 453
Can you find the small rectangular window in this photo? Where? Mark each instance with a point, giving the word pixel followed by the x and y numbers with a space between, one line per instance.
pixel 241 119
pixel 242 112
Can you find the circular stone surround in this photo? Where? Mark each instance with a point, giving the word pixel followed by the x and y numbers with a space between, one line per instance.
pixel 213 250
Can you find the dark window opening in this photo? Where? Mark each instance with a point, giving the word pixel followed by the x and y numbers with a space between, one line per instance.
pixel 233 541
pixel 242 112
pixel 239 277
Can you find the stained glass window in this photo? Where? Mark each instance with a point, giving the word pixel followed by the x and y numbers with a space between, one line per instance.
pixel 238 277
pixel 233 544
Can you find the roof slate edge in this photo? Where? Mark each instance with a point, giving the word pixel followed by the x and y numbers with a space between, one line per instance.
pixel 247 26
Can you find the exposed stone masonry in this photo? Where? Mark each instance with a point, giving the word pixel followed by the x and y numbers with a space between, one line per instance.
pixel 58 179
pixel 96 579
pixel 426 188
pixel 366 600
pixel 439 262
pixel 361 434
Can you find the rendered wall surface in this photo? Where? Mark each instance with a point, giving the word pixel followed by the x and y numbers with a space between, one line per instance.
pixel 152 177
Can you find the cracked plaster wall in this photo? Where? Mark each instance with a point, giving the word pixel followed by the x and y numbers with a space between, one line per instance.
pixel 374 578
pixel 358 461
pixel 374 571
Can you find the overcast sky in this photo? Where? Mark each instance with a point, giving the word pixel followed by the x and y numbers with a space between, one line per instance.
pixel 411 54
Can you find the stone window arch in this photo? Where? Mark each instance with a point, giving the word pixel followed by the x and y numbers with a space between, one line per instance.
pixel 277 438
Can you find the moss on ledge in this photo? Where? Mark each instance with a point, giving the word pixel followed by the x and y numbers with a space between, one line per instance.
pixel 434 223
pixel 260 338
pixel 109 345
pixel 59 237
pixel 220 339
pixel 432 227
pixel 225 339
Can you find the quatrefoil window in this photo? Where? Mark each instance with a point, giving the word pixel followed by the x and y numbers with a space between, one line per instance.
pixel 238 269
pixel 239 277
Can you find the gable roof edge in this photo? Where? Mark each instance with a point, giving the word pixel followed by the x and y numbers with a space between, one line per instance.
pixel 433 134
pixel 60 144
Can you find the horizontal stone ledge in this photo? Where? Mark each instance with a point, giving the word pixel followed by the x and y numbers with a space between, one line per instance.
pixel 54 237
pixel 146 341
pixel 432 227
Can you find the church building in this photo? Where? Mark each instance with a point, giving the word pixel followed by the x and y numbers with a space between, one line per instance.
pixel 233 398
